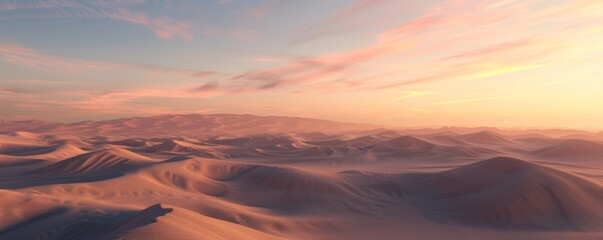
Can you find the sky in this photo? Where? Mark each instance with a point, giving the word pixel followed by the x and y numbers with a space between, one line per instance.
pixel 503 63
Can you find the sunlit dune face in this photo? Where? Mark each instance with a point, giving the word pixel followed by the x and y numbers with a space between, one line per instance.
pixel 508 63
pixel 228 176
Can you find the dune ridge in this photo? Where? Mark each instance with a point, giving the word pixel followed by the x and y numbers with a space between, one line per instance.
pixel 510 193
pixel 96 182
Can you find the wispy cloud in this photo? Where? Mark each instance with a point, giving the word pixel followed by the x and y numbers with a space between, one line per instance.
pixel 458 101
pixel 27 57
pixel 100 102
pixel 354 17
pixel 438 40
pixel 262 10
pixel 164 27
pixel 41 82
pixel 396 60
pixel 9 91
pixel 311 70
pixel 412 94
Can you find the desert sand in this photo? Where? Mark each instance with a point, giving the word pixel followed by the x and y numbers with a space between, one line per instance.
pixel 248 177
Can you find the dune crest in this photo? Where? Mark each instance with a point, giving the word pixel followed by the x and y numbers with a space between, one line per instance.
pixel 572 148
pixel 509 193
pixel 95 161
pixel 249 177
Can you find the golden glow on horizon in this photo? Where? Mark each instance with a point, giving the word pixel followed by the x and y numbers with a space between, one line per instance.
pixel 534 63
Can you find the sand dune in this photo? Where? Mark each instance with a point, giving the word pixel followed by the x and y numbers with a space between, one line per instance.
pixel 293 181
pixel 175 146
pixel 513 194
pixel 485 137
pixel 572 148
pixel 130 143
pixel 60 151
pixel 95 161
pixel 184 224
pixel 266 142
pixel 447 140
pixel 186 125
pixel 405 143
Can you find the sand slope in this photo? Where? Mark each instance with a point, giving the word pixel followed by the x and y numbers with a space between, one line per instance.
pixel 513 194
pixel 571 148
pixel 96 182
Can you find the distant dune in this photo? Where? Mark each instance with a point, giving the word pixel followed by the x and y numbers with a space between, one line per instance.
pixel 186 125
pixel 485 137
pixel 572 148
pixel 249 177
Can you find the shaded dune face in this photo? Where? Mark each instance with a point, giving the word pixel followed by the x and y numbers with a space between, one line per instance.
pixel 260 141
pixel 190 184
pixel 94 163
pixel 404 147
pixel 572 148
pixel 404 143
pixel 173 146
pixel 447 140
pixel 62 223
pixel 512 194
pixel 60 151
pixel 282 188
pixel 129 142
pixel 22 150
pixel 295 185
pixel 114 229
pixel 282 146
pixel 408 146
pixel 485 137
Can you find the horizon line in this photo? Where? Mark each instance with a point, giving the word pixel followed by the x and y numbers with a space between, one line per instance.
pixel 415 127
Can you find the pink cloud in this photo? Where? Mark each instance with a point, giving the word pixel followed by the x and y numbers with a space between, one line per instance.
pixel 263 9
pixel 505 37
pixel 97 103
pixel 309 70
pixel 21 56
pixel 9 91
pixel 355 16
pixel 439 39
pixel 164 28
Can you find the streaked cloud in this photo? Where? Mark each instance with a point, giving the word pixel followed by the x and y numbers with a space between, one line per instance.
pixel 101 102
pixel 31 58
pixel 164 27
pixel 459 101
pixel 398 61
pixel 412 94
pixel 439 37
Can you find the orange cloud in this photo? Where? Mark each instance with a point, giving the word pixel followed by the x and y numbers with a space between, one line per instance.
pixel 458 101
pixel 96 103
pixel 439 38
